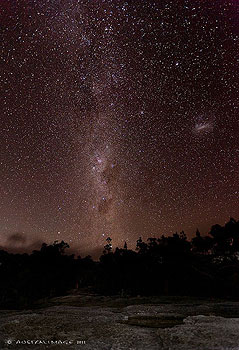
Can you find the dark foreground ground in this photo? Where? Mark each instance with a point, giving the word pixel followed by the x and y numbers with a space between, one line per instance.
pixel 84 321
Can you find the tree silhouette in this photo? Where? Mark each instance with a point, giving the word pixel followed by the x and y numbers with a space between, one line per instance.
pixel 221 240
pixel 202 245
pixel 232 232
pixel 205 266
pixel 141 246
pixel 108 246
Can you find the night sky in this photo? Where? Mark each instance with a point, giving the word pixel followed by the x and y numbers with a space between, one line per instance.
pixel 118 118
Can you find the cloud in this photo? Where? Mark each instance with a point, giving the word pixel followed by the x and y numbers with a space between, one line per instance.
pixel 18 242
pixel 16 238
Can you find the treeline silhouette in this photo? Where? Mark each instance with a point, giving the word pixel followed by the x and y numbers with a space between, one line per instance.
pixel 172 265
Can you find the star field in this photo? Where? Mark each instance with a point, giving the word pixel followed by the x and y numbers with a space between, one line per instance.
pixel 118 119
